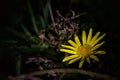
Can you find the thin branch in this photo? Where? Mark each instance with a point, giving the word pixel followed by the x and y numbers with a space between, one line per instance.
pixel 78 15
pixel 80 71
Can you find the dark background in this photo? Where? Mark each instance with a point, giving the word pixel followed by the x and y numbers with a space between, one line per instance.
pixel 106 13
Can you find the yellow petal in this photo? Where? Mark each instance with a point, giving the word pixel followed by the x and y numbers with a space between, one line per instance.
pixel 89 36
pixel 100 52
pixel 72 43
pixel 68 51
pixel 74 60
pixel 69 47
pixel 97 46
pixel 88 60
pixel 81 62
pixel 69 57
pixel 84 37
pixel 96 41
pixel 77 40
pixel 94 57
pixel 94 38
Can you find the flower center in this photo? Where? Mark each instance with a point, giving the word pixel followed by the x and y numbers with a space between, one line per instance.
pixel 84 50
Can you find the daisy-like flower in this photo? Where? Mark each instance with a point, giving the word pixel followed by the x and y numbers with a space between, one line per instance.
pixel 85 49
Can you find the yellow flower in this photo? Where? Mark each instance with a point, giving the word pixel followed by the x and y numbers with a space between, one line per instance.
pixel 83 50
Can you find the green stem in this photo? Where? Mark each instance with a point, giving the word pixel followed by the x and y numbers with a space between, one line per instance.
pixel 18 65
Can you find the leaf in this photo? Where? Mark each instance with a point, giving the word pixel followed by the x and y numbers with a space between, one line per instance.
pixel 32 18
pixel 46 13
pixel 26 30
pixel 15 32
pixel 42 22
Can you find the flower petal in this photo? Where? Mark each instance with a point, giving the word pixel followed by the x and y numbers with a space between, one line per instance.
pixel 69 47
pixel 68 51
pixel 97 46
pixel 88 60
pixel 94 57
pixel 89 36
pixel 96 41
pixel 69 57
pixel 81 62
pixel 77 40
pixel 74 60
pixel 84 37
pixel 94 38
pixel 100 52
pixel 72 43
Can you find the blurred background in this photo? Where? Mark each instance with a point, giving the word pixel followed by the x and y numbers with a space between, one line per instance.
pixel 103 14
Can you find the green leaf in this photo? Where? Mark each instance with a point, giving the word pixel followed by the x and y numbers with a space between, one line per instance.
pixel 26 30
pixel 42 22
pixel 46 13
pixel 32 18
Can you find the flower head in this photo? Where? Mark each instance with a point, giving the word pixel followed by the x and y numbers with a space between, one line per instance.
pixel 85 49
